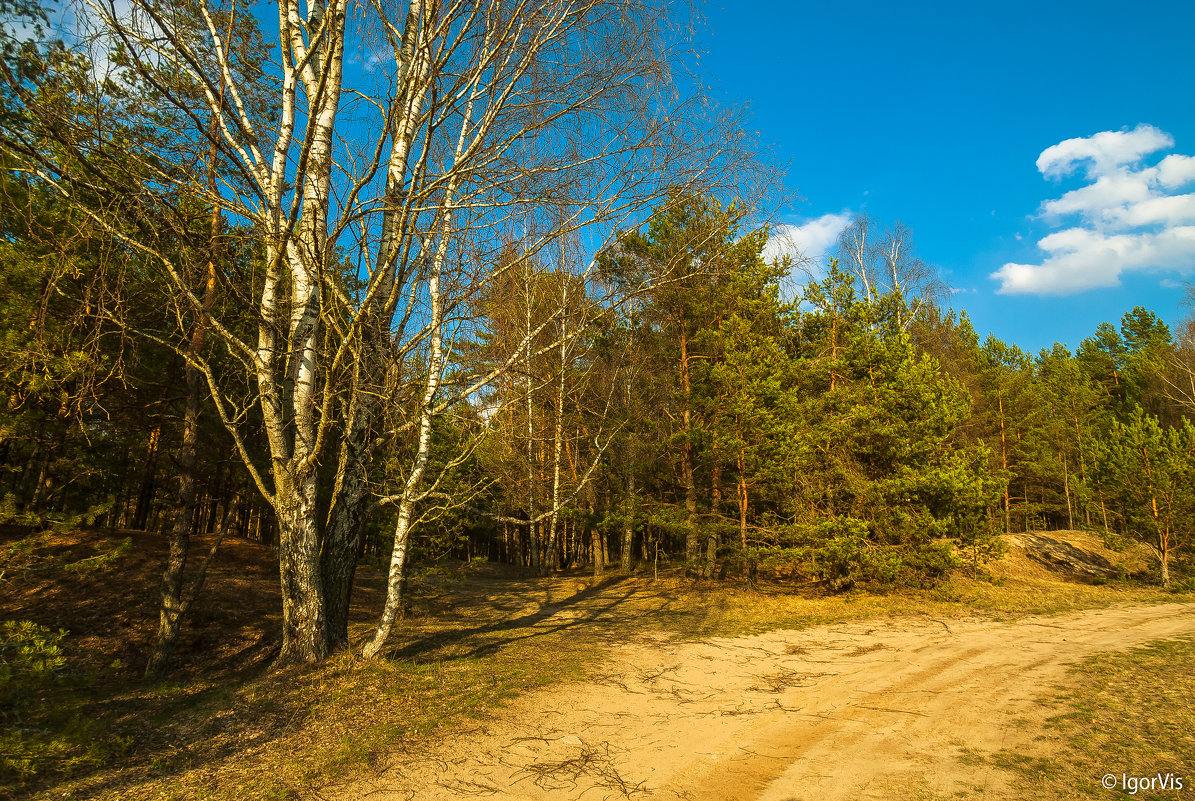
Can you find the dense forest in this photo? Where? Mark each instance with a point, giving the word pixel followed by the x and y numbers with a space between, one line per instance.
pixel 503 298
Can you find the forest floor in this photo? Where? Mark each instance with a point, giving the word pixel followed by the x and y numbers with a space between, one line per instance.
pixel 505 685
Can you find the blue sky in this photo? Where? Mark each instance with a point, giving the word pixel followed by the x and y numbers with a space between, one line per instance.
pixel 937 114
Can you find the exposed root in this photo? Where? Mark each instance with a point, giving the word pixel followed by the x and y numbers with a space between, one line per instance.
pixel 779 682
pixel 468 788
pixel 592 762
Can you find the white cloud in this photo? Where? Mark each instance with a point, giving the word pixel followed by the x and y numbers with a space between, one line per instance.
pixel 1128 216
pixel 809 243
pixel 1103 151
pixel 1176 170
pixel 88 26
pixel 375 60
pixel 1107 193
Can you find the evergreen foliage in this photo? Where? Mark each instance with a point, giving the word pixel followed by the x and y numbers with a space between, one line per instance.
pixel 1150 471
pixel 675 405
pixel 834 438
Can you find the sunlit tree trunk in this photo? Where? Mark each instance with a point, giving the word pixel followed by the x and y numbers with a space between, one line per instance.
pixel 558 443
pixel 352 492
pixel 295 448
pixel 435 366
pixel 1004 464
pixel 410 493
pixel 628 525
pixel 742 501
pixel 532 533
pixel 711 542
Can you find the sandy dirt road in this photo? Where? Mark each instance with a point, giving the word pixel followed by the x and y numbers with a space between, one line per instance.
pixel 849 711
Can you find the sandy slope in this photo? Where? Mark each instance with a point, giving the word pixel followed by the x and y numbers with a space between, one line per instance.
pixel 867 710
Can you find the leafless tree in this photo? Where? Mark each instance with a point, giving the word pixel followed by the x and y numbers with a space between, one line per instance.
pixel 884 261
pixel 1178 373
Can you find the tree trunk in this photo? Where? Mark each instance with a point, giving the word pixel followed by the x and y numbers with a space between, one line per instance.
pixel 557 448
pixel 116 515
pixel 343 539
pixel 687 468
pixel 1163 536
pixel 1066 487
pixel 148 481
pixel 691 538
pixel 598 538
pixel 410 496
pixel 1082 457
pixel 218 503
pixel 171 621
pixel 23 479
pixel 1004 464
pixel 628 526
pixel 303 611
pixel 290 371
pixel 533 539
pixel 352 495
pixel 742 510
pixel 1163 541
pixel 43 482
pixel 170 611
pixel 711 541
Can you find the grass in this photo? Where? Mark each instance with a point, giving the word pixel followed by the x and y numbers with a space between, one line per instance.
pixel 1124 716
pixel 225 728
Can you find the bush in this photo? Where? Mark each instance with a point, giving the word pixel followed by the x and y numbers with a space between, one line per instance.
pixel 41 731
pixel 1183 585
pixel 30 660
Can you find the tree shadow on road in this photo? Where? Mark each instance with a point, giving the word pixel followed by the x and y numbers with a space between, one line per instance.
pixel 597 606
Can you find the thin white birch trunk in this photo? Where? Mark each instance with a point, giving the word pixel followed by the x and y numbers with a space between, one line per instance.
pixel 558 443
pixel 532 536
pixel 435 367
pixel 410 494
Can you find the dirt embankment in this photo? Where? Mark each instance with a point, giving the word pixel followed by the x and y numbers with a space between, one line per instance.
pixel 846 711
pixel 1074 555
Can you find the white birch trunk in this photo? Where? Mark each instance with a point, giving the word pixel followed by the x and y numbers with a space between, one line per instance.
pixel 558 444
pixel 435 366
pixel 410 493
pixel 532 535
pixel 305 257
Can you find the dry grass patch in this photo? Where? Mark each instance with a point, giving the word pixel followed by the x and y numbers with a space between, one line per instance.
pixel 224 728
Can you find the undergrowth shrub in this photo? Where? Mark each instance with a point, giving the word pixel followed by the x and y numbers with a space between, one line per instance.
pixel 41 732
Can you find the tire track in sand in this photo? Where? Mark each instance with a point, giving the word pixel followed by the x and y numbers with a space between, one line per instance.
pixel 846 711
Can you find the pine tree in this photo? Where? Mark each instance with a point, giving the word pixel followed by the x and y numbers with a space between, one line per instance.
pixel 1150 471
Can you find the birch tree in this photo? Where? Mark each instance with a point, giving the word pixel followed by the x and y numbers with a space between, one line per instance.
pixel 380 154
pixel 884 263
pixel 548 421
pixel 1178 377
